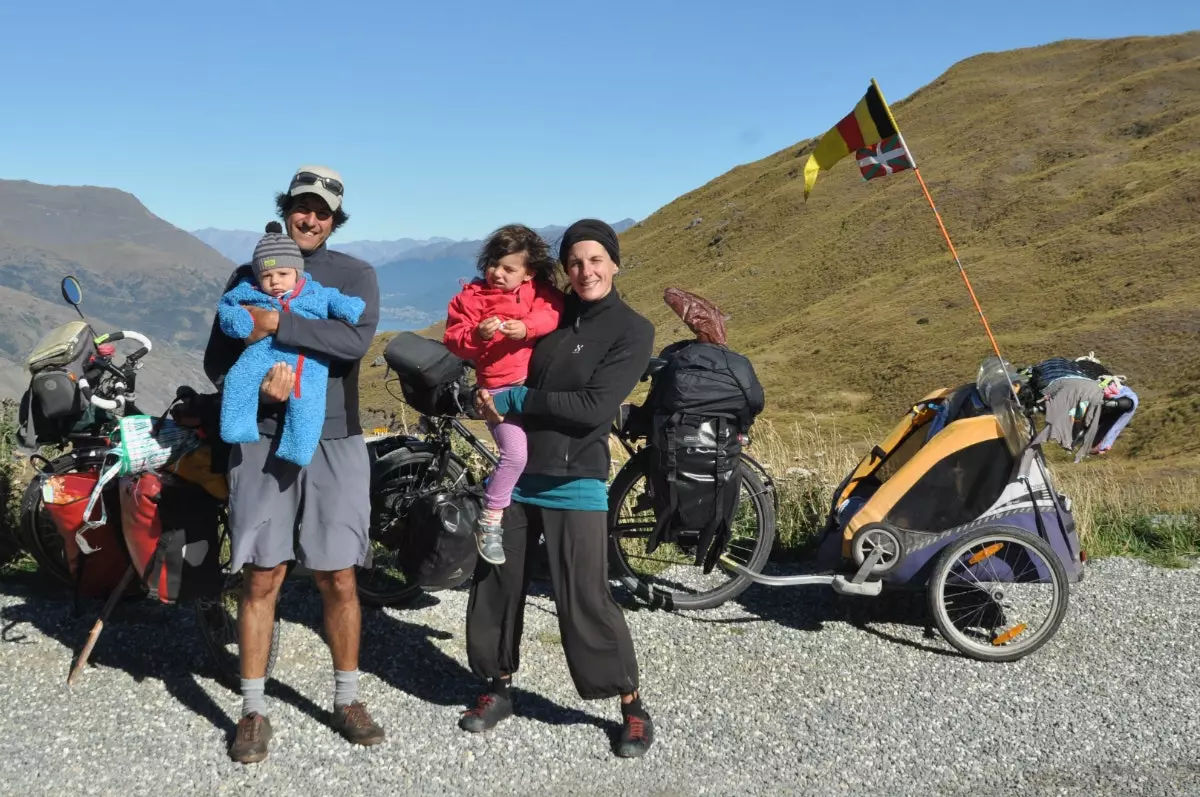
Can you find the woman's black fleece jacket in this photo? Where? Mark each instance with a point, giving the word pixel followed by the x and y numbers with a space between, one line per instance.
pixel 578 376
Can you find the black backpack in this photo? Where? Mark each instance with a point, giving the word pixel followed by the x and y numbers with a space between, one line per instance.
pixel 431 377
pixel 701 403
pixel 437 550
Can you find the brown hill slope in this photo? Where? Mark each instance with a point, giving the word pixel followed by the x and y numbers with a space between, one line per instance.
pixel 138 272
pixel 1069 178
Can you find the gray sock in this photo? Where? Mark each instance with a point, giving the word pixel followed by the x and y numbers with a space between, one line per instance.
pixel 345 687
pixel 253 698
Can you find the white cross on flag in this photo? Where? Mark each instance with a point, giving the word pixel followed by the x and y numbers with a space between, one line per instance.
pixel 888 156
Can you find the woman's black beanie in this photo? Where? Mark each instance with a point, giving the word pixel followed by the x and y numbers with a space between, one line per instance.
pixel 590 230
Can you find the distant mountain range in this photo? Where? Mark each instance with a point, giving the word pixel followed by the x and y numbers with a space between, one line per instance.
pixel 238 245
pixel 417 277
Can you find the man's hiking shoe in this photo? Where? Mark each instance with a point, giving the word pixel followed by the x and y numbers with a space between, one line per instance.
pixel 250 744
pixel 355 724
pixel 490 542
pixel 637 734
pixel 489 710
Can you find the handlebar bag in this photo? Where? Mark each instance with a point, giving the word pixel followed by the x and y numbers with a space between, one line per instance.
pixel 53 405
pixel 430 375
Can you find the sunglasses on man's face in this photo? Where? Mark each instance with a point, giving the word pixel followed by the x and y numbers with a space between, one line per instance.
pixel 321 213
pixel 308 178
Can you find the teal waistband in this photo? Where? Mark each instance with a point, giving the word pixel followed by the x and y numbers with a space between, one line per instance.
pixel 558 492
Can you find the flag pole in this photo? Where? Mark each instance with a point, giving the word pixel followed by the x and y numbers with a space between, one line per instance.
pixel 954 253
pixel 937 215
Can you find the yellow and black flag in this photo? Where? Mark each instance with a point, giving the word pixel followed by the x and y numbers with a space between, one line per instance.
pixel 870 122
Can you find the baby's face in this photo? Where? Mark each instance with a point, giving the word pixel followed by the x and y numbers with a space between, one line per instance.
pixel 278 281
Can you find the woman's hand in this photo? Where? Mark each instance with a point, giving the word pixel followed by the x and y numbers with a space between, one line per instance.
pixel 485 407
pixel 487 327
pixel 277 385
pixel 514 329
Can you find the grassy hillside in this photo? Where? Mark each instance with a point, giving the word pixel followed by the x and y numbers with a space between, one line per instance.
pixel 1069 178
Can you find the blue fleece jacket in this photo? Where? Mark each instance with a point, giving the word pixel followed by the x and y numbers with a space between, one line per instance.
pixel 305 413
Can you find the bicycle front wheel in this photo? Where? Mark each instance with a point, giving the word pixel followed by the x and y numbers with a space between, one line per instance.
pixel 668 578
pixel 398 480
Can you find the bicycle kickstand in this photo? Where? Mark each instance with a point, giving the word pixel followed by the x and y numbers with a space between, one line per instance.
pixel 99 626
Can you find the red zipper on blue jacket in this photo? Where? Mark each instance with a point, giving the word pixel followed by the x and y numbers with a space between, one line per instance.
pixel 300 356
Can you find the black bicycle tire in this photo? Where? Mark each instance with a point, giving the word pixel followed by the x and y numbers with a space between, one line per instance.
pixel 654 596
pixel 396 459
pixel 938 576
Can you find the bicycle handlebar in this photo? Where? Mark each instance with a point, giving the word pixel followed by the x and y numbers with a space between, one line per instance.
pixel 123 376
pixel 98 401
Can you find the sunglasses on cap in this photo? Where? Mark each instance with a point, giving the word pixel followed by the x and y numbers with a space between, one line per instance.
pixel 308 178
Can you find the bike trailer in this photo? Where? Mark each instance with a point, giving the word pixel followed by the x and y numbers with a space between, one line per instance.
pixel 430 375
pixel 946 469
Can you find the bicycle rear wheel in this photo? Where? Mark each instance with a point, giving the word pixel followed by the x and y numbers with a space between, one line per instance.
pixel 668 577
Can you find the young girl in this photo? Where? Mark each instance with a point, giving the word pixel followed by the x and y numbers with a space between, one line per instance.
pixel 494 322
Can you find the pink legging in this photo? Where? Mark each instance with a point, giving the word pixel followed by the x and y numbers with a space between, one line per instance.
pixel 510 439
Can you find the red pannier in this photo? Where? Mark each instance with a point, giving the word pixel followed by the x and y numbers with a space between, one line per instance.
pixel 171 530
pixel 65 497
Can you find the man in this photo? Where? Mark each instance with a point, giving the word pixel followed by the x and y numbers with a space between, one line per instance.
pixel 318 514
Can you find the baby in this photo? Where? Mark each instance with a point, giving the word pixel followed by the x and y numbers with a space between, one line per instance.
pixel 278 283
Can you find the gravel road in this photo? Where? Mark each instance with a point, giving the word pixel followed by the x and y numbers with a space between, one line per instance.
pixel 785 691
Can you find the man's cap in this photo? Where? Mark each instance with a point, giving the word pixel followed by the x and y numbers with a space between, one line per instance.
pixel 319 180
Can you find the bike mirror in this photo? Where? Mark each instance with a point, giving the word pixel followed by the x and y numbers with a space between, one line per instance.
pixel 71 291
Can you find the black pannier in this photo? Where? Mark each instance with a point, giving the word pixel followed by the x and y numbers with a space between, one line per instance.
pixel 701 403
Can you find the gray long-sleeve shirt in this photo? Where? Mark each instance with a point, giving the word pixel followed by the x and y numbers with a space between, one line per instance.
pixel 340 344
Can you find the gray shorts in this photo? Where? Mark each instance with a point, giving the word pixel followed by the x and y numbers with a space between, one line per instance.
pixel 319 515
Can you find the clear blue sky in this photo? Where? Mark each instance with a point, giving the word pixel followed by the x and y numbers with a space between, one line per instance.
pixel 452 118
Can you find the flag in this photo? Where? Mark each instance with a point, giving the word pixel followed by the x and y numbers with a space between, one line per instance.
pixel 869 123
pixel 886 157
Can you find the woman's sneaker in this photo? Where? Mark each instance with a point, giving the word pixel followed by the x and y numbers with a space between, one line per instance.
pixel 637 734
pixel 489 710
pixel 490 542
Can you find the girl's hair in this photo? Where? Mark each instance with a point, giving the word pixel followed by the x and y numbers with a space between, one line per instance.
pixel 512 239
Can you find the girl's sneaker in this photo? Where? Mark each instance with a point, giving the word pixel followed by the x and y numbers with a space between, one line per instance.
pixel 489 540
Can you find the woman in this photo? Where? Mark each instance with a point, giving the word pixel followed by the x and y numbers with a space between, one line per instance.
pixel 578 376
